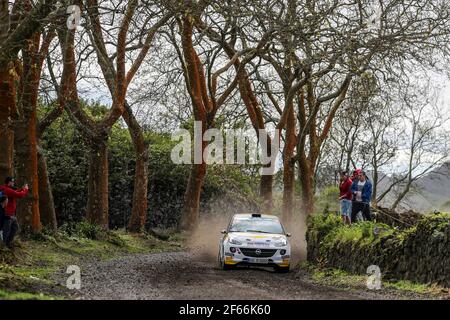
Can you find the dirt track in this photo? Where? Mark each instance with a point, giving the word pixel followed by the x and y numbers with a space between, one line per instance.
pixel 180 275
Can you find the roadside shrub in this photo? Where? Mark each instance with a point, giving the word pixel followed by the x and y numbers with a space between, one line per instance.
pixel 86 230
pixel 319 226
pixel 82 229
pixel 324 223
pixel 362 232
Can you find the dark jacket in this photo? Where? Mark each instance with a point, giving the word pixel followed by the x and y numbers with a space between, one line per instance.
pixel 366 191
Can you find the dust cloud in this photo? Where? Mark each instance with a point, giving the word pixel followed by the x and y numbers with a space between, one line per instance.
pixel 297 227
pixel 204 241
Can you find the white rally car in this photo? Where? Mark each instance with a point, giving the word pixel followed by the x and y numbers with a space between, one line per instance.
pixel 255 240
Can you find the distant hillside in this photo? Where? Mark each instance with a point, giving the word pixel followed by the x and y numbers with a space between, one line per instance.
pixel 429 193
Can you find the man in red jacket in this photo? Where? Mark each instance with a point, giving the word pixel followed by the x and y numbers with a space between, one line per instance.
pixel 345 197
pixel 10 225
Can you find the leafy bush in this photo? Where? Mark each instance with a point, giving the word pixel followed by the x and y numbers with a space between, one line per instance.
pixel 82 229
pixel 364 232
pixel 324 223
pixel 86 230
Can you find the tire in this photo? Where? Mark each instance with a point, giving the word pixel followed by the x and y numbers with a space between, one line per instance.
pixel 222 264
pixel 281 269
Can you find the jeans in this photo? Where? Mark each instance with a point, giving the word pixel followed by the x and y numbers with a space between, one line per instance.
pixel 10 228
pixel 346 207
pixel 364 208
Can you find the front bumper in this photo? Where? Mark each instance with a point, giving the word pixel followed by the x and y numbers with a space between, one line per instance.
pixel 239 258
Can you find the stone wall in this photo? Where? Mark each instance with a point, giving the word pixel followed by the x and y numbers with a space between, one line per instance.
pixel 420 253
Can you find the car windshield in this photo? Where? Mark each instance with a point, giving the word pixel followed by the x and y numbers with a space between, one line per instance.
pixel 259 225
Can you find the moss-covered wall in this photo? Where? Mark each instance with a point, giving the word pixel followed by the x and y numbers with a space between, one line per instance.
pixel 420 253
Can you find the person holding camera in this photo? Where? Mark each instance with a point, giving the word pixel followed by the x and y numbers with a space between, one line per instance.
pixel 362 193
pixel 10 224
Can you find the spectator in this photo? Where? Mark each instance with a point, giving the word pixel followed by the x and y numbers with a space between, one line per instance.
pixel 345 197
pixel 355 175
pixel 362 193
pixel 10 224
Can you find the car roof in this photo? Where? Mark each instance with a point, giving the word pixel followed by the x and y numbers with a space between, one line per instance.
pixel 250 216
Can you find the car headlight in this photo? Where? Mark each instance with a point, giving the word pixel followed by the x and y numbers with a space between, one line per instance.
pixel 281 243
pixel 234 241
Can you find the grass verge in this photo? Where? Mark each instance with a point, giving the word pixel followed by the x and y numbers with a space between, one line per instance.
pixel 341 279
pixel 27 271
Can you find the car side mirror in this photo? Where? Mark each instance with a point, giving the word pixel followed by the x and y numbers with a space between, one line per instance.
pixel 288 235
pixel 224 232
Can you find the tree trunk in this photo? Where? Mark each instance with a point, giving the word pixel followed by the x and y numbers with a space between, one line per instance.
pixel 97 206
pixel 265 190
pixel 7 106
pixel 190 213
pixel 46 201
pixel 288 191
pixel 27 172
pixel 306 175
pixel 201 104
pixel 140 205
pixel 306 167
pixel 375 186
pixel 140 201
pixel 308 195
pixel 26 139
pixel 288 168
pixel 402 195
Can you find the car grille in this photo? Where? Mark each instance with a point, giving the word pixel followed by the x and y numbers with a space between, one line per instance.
pixel 265 253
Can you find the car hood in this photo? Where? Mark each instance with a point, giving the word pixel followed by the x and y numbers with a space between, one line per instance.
pixel 257 239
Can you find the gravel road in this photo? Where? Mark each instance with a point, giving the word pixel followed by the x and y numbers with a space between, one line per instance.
pixel 183 275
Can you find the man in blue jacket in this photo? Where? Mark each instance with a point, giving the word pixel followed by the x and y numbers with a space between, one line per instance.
pixel 362 193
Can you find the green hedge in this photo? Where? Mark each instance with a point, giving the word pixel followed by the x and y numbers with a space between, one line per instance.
pixel 420 253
